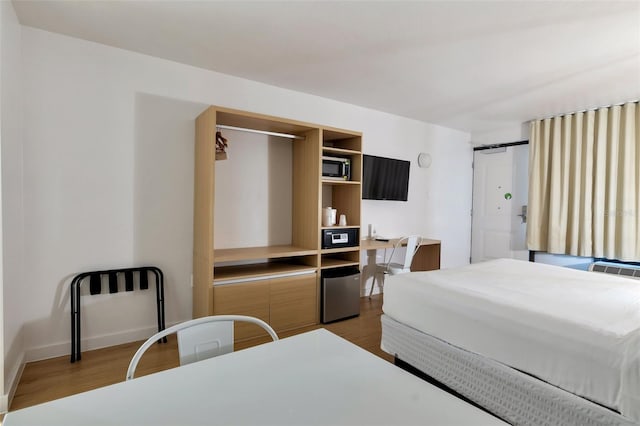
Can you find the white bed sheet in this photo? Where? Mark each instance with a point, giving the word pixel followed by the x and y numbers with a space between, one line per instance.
pixel 577 330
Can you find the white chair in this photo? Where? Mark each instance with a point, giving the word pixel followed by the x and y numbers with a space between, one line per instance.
pixel 200 338
pixel 394 268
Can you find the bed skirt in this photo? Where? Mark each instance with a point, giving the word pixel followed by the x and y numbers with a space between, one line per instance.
pixel 515 397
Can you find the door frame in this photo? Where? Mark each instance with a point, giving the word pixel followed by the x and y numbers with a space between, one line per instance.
pixel 473 177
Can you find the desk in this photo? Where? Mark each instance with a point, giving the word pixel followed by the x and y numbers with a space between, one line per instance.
pixel 315 378
pixel 427 258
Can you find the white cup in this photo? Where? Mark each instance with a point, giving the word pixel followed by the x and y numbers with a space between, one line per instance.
pixel 328 216
pixel 343 220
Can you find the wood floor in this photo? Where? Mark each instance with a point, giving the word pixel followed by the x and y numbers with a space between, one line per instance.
pixel 56 378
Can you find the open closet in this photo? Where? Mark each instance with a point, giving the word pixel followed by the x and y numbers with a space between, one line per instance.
pixel 257 216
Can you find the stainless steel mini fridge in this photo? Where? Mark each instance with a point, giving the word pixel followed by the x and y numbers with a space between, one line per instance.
pixel 340 293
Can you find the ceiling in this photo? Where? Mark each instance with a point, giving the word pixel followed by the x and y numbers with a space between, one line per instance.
pixel 476 66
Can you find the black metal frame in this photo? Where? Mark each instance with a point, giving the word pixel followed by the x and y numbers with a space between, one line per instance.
pixel 95 278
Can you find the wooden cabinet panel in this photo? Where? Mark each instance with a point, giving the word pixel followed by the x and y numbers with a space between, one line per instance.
pixel 427 258
pixel 293 302
pixel 250 299
pixel 306 198
pixel 203 213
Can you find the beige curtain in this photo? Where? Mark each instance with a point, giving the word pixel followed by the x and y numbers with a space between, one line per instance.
pixel 584 184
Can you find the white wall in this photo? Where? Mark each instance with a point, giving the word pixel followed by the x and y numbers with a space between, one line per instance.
pixel 12 216
pixel 438 205
pixel 439 199
pixel 162 187
pixel 89 152
pixel 513 132
pixel 253 192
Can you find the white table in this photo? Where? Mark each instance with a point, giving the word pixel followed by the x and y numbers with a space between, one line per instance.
pixel 315 378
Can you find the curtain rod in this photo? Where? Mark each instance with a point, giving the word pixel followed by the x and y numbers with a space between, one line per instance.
pixel 262 132
pixel 499 145
pixel 585 110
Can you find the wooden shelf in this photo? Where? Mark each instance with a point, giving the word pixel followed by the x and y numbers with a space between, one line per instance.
pixel 236 118
pixel 340 250
pixel 341 151
pixel 267 252
pixel 340 182
pixel 337 263
pixel 258 270
pixel 333 134
pixel 340 227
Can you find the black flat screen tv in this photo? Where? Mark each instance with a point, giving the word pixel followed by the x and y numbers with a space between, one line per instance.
pixel 384 178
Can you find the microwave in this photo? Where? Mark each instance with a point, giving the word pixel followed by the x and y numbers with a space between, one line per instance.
pixel 336 168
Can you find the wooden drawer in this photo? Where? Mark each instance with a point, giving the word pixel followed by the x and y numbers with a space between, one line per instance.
pixel 250 299
pixel 293 302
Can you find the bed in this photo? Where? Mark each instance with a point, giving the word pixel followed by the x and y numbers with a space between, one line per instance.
pixel 531 343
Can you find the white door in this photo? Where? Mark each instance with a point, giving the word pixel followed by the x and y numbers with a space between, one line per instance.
pixel 500 182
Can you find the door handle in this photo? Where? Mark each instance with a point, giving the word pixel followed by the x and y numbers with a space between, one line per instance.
pixel 523 215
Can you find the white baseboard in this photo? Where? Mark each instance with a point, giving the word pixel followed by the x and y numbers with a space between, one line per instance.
pixel 14 379
pixel 96 342
pixel 4 404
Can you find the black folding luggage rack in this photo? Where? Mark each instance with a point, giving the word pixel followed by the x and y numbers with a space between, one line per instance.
pixel 95 287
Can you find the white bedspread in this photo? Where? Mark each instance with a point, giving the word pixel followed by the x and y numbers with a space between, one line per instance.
pixel 577 330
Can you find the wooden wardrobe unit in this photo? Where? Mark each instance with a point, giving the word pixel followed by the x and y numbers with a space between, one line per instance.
pixel 279 284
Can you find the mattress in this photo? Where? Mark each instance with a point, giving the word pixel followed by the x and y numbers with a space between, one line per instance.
pixel 577 330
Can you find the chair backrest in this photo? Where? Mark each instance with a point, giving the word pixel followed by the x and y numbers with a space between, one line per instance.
pixel 412 247
pixel 413 244
pixel 207 340
pixel 200 338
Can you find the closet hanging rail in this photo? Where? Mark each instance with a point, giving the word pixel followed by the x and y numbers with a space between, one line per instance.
pixel 263 132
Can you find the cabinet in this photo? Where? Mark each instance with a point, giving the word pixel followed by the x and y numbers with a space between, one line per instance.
pixel 250 299
pixel 277 283
pixel 285 303
pixel 292 302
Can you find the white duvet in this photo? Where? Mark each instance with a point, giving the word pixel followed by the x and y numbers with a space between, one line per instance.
pixel 577 330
